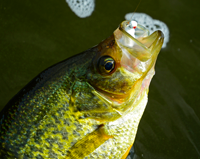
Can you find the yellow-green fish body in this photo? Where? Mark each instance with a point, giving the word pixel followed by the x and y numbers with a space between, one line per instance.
pixel 88 106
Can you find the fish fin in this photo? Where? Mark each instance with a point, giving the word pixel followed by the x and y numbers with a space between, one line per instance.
pixel 88 144
pixel 127 152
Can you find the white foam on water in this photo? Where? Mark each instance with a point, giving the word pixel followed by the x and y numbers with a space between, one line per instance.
pixel 151 24
pixel 82 8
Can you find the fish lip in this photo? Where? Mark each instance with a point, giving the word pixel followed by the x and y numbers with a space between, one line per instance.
pixel 157 42
pixel 144 46
pixel 151 42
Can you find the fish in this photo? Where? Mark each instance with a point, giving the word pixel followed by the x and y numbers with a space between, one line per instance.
pixel 87 106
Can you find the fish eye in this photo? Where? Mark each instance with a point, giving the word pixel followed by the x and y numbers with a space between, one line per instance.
pixel 106 65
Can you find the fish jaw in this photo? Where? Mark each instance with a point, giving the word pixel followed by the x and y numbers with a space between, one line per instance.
pixel 139 58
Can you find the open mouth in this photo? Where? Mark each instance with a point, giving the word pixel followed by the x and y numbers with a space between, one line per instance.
pixel 141 45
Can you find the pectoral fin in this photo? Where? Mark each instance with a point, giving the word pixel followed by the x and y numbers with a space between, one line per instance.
pixel 88 144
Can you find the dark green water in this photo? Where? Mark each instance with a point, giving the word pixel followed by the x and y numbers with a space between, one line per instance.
pixel 37 34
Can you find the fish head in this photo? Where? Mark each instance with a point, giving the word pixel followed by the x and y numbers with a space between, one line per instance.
pixel 122 69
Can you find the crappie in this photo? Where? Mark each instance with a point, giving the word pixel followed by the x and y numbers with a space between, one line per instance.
pixel 88 106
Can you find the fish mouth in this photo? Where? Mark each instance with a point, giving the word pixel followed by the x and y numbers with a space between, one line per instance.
pixel 143 46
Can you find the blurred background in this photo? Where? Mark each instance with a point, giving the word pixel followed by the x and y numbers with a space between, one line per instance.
pixel 36 34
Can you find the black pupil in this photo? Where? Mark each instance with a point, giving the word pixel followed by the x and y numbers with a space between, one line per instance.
pixel 108 65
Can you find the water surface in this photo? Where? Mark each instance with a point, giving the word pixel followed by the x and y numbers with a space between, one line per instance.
pixel 37 34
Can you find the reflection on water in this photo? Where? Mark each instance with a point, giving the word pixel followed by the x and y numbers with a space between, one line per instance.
pixel 35 35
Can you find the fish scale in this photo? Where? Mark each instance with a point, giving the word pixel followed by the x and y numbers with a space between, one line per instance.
pixel 52 129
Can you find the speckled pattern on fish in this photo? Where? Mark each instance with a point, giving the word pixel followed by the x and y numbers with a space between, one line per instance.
pixel 88 106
